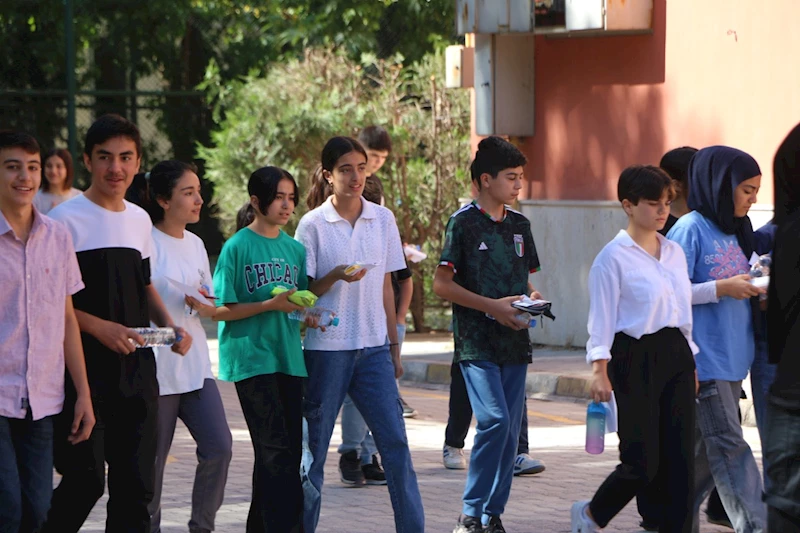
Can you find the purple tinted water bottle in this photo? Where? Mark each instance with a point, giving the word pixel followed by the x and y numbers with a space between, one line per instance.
pixel 595 428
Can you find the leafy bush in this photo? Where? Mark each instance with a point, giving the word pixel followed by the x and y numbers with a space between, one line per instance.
pixel 285 118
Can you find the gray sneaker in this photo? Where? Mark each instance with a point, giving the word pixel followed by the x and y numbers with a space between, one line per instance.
pixel 453 458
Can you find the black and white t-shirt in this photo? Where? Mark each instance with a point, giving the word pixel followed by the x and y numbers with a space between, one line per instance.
pixel 113 250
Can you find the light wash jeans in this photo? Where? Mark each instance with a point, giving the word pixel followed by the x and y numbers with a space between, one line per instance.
pixel 496 393
pixel 367 375
pixel 724 458
pixel 355 433
pixel 762 375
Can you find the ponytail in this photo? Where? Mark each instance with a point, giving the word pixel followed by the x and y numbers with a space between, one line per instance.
pixel 245 216
pixel 319 190
pixel 148 187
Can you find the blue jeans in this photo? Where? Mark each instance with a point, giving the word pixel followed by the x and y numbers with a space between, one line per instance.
pixel 367 375
pixel 355 433
pixel 783 443
pixel 26 473
pixel 496 394
pixel 762 374
pixel 724 458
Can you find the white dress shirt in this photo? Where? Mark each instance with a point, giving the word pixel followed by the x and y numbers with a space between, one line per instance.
pixel 632 292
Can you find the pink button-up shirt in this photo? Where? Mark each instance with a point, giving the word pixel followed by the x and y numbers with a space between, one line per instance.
pixel 35 279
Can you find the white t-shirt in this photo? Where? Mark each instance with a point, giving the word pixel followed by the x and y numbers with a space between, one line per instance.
pixel 331 241
pixel 184 260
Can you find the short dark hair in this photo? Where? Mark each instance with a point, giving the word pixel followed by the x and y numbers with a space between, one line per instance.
pixel 375 138
pixel 263 184
pixel 19 139
pixel 676 163
pixel 147 187
pixel 494 155
pixel 66 157
pixel 373 190
pixel 644 182
pixel 110 126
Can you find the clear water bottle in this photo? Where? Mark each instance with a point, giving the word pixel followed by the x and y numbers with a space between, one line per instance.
pixel 526 318
pixel 154 337
pixel 595 428
pixel 326 318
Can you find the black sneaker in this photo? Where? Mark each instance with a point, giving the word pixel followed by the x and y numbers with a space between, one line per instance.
pixel 350 469
pixel 408 411
pixel 373 472
pixel 468 524
pixel 494 526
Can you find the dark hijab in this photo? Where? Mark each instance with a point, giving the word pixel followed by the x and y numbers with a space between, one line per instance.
pixel 714 173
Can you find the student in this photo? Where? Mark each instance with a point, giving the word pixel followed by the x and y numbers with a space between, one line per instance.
pixel 57 183
pixel 170 193
pixel 640 345
pixel 487 257
pixel 718 240
pixel 39 335
pixel 260 349
pixel 354 358
pixel 782 441
pixel 676 164
pixel 113 243
pixel 378 144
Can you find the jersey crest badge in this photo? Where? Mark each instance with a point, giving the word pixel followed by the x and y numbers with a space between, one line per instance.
pixel 519 245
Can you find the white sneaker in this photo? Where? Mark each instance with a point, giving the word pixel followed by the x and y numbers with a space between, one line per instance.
pixel 453 458
pixel 525 464
pixel 581 523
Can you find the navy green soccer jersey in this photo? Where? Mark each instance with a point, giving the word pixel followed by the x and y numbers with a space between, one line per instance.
pixel 492 258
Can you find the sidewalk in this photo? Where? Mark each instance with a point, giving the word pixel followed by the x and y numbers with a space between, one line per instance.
pixel 554 372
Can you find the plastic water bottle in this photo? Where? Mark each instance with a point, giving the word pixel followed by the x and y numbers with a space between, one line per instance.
pixel 326 317
pixel 526 318
pixel 154 337
pixel 595 428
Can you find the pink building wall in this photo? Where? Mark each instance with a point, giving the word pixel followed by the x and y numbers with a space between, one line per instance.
pixel 712 72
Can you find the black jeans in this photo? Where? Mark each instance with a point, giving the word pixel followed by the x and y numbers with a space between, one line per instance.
pixel 272 405
pixel 124 436
pixel 653 381
pixel 782 444
pixel 460 414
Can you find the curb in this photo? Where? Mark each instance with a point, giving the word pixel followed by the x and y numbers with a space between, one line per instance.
pixel 541 384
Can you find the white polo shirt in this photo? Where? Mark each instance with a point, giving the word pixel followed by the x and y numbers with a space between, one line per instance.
pixel 331 241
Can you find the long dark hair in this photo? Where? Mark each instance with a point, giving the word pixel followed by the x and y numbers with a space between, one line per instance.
pixel 160 182
pixel 334 149
pixel 66 157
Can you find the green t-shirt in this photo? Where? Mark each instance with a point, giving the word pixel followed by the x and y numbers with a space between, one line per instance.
pixel 493 259
pixel 248 268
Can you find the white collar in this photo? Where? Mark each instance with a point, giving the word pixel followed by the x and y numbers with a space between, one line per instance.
pixel 332 215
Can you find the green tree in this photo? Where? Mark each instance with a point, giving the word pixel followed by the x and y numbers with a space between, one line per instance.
pixel 285 117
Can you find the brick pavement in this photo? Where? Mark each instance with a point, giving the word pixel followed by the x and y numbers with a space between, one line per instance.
pixel 538 504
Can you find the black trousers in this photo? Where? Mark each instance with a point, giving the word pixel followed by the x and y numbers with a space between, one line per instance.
pixel 272 406
pixel 460 414
pixel 124 436
pixel 653 381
